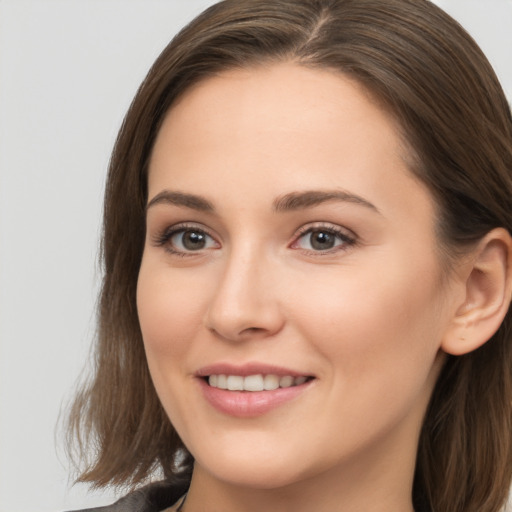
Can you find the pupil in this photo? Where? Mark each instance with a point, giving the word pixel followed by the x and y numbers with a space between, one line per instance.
pixel 321 240
pixel 192 240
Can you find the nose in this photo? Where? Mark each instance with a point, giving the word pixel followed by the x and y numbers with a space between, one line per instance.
pixel 245 303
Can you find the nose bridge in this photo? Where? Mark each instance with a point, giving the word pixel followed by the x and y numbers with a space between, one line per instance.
pixel 244 301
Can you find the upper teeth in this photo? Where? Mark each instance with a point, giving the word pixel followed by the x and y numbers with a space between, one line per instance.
pixel 254 382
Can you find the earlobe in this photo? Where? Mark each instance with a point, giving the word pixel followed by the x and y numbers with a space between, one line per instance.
pixel 488 289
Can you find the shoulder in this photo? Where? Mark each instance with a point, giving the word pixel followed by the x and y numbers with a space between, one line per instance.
pixel 154 497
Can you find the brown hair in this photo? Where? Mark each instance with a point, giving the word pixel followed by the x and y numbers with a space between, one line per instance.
pixel 434 79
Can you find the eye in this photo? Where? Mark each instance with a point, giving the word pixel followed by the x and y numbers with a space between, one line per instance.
pixel 184 240
pixel 323 239
pixel 191 240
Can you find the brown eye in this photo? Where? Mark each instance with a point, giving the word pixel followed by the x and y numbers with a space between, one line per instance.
pixel 323 240
pixel 187 240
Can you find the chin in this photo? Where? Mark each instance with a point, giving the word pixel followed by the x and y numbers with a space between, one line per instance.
pixel 254 475
pixel 252 465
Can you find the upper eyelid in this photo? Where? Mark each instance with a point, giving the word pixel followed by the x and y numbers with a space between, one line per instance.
pixel 327 226
pixel 161 236
pixel 188 225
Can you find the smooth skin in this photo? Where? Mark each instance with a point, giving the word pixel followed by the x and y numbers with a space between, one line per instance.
pixel 346 284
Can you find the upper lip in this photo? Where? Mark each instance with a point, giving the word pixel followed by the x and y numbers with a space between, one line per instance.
pixel 252 368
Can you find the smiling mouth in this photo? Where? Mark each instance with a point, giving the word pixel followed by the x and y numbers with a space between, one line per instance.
pixel 258 382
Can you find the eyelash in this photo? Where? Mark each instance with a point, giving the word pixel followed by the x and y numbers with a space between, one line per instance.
pixel 348 238
pixel 163 238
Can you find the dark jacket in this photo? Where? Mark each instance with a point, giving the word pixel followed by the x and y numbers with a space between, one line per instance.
pixel 154 497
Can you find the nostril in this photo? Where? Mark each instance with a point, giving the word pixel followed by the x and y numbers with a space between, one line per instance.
pixel 237 321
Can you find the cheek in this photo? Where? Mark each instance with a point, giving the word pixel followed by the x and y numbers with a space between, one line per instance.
pixel 170 311
pixel 373 320
pixel 379 344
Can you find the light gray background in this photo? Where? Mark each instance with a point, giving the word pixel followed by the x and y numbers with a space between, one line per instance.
pixel 68 70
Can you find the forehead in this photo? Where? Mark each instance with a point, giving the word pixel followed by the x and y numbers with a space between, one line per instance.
pixel 278 97
pixel 278 128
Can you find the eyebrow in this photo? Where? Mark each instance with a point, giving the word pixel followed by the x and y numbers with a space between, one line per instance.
pixel 311 198
pixel 289 202
pixel 181 199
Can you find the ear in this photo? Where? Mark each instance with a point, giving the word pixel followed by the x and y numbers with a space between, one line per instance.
pixel 487 294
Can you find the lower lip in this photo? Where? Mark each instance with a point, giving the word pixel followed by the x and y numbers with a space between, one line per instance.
pixel 247 404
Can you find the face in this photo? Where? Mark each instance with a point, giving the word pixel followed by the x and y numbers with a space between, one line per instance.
pixel 291 293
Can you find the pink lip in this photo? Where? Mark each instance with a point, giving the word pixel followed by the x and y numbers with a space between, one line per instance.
pixel 247 369
pixel 247 404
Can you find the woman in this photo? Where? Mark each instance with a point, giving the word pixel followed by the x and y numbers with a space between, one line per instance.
pixel 308 268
